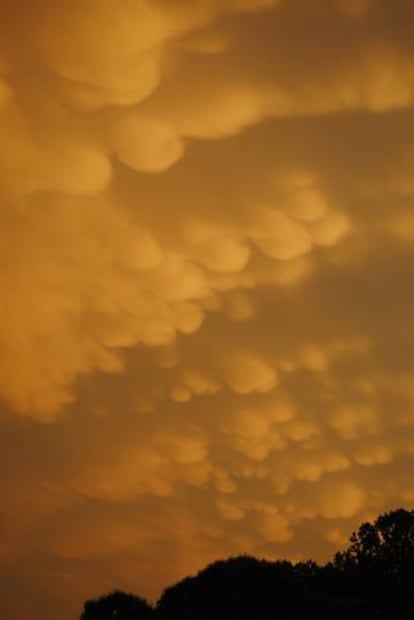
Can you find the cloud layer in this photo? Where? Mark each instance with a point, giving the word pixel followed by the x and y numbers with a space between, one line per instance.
pixel 206 265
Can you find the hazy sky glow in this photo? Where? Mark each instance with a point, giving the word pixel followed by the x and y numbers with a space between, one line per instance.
pixel 206 272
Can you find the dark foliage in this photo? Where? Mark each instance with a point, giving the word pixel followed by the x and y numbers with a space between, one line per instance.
pixel 379 564
pixel 372 579
pixel 117 606
pixel 242 587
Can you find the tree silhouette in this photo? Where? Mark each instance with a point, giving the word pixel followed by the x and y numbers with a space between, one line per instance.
pixel 373 579
pixel 379 563
pixel 241 587
pixel 389 540
pixel 117 606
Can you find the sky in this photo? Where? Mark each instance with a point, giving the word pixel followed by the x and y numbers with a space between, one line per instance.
pixel 206 267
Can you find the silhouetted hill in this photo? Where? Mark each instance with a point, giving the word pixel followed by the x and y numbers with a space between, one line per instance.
pixel 372 579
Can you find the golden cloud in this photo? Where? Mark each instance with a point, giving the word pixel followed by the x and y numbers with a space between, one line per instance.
pixel 206 264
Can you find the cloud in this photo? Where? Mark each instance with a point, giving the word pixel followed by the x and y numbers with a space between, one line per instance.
pixel 145 144
pixel 206 264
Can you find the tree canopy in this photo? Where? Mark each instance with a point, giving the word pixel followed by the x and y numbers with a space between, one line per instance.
pixel 117 605
pixel 372 579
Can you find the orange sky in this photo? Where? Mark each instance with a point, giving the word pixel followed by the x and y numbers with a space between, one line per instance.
pixel 206 266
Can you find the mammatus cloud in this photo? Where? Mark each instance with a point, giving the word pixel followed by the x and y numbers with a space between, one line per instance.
pixel 206 257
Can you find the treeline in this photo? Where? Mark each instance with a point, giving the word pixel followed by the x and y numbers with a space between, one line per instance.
pixel 372 579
